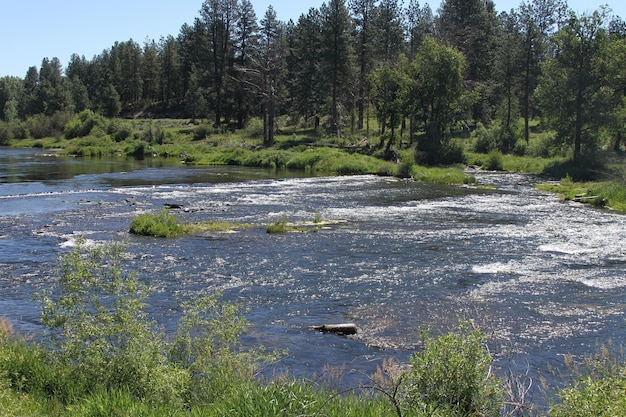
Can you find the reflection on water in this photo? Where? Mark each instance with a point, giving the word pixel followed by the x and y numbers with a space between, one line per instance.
pixel 543 278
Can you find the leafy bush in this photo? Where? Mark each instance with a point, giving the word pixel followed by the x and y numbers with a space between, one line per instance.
pixel 494 161
pixel 597 388
pixel 484 139
pixel 103 335
pixel 453 373
pixel 83 123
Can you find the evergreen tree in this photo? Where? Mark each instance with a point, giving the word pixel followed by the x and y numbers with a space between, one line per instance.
pixel 389 31
pixel 537 21
pixel 336 58
pixel 246 44
pixel 508 76
pixel 29 104
pixel 363 17
pixel 306 81
pixel 471 27
pixel 571 80
pixel 151 73
pixel 219 18
pixel 52 92
pixel 420 23
pixel 171 71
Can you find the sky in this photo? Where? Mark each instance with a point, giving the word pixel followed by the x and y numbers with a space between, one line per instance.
pixel 33 30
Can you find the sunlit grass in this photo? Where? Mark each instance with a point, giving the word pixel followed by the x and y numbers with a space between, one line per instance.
pixel 167 225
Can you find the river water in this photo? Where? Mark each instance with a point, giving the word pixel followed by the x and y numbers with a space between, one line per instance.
pixel 542 278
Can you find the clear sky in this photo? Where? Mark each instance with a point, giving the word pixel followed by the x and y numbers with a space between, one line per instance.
pixel 33 30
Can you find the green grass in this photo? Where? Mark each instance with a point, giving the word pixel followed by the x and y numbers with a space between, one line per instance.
pixel 166 225
pixel 610 194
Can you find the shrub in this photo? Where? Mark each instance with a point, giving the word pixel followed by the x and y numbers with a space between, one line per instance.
pixel 484 139
pixel 494 161
pixel 83 124
pixel 597 388
pixel 453 373
pixel 102 333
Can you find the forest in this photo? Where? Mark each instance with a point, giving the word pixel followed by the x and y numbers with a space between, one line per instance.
pixel 419 74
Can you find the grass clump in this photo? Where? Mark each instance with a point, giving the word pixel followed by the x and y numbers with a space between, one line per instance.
pixel 280 225
pixel 166 225
pixel 611 194
pixel 441 175
pixel 162 224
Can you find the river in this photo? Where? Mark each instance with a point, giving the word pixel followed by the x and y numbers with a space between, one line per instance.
pixel 541 277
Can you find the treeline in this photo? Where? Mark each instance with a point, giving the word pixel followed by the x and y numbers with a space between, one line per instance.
pixel 416 71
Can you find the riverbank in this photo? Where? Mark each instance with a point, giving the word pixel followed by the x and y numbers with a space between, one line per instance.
pixel 90 135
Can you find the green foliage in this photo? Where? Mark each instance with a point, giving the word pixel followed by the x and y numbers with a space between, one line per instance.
pixel 83 123
pixel 107 357
pixel 494 161
pixel 279 226
pixel 597 386
pixel 162 224
pixel 453 373
pixel 436 175
pixel 484 139
pixel 103 335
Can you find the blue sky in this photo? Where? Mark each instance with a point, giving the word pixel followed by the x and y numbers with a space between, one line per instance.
pixel 33 30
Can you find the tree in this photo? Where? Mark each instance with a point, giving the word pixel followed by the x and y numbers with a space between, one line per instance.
pixel 151 72
pixel 436 89
pixel 10 92
pixel 195 99
pixel 305 75
pixel 389 31
pixel 420 24
pixel 537 20
pixel 389 88
pixel 219 17
pixel 470 26
pixel 271 65
pixel 507 71
pixel 336 56
pixel 571 82
pixel 171 71
pixel 614 59
pixel 52 91
pixel 246 44
pixel 363 20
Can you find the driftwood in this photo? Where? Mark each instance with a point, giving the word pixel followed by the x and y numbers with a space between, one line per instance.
pixel 340 329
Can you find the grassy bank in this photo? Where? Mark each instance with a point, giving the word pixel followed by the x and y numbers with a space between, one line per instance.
pixel 298 148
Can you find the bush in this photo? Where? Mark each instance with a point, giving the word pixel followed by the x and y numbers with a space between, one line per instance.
pixel 494 161
pixel 83 124
pixel 484 139
pixel 102 333
pixel 453 373
pixel 597 388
